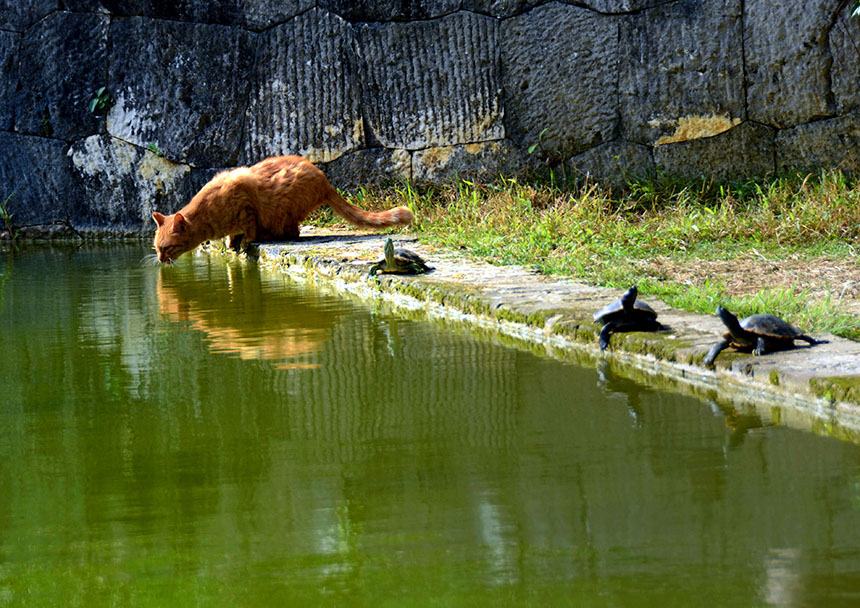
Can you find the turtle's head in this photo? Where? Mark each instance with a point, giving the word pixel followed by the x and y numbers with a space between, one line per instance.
pixel 629 298
pixel 728 319
pixel 388 249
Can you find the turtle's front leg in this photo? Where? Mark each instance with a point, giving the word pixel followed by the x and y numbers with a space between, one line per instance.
pixel 603 338
pixel 760 346
pixel 716 349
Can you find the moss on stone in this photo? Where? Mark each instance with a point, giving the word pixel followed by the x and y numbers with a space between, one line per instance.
pixel 774 377
pixel 662 346
pixel 837 388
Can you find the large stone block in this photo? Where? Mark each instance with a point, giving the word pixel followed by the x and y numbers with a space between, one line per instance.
pixel 617 6
pixel 9 42
pixel 390 10
pixel 432 83
pixel 484 161
pixel 787 60
pixel 304 93
pixel 63 62
pixel 18 15
pixel 826 143
pixel 500 8
pixel 250 14
pixel 680 61
pixel 560 78
pixel 370 167
pixel 746 150
pixel 181 87
pixel 37 174
pixel 123 185
pixel 845 50
pixel 616 162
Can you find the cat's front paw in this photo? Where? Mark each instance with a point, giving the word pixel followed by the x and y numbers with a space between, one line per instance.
pixel 234 242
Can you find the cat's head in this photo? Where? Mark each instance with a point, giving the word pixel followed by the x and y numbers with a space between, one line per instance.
pixel 172 237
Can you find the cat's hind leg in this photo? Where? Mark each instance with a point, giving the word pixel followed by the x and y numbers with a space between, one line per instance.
pixel 287 232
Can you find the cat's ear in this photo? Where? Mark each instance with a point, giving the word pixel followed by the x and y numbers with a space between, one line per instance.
pixel 158 217
pixel 179 223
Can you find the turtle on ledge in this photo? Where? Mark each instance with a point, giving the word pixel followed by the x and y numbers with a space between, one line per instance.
pixel 759 334
pixel 626 314
pixel 399 261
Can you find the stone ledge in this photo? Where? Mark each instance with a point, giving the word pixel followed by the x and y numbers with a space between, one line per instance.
pixel 817 388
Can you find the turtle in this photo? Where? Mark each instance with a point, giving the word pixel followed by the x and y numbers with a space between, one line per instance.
pixel 759 334
pixel 399 261
pixel 625 314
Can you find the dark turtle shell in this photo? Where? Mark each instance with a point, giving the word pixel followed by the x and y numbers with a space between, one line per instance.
pixel 406 256
pixel 615 310
pixel 770 326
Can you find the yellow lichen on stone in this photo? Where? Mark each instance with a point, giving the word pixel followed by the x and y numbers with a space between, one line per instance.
pixel 437 158
pixel 160 172
pixel 402 163
pixel 697 127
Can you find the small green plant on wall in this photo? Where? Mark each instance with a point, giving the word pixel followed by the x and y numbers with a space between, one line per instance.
pixel 6 216
pixel 551 158
pixel 101 101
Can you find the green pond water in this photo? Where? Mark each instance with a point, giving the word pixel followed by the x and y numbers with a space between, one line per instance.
pixel 212 435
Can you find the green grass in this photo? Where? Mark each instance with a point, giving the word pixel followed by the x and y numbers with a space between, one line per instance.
pixel 644 233
pixel 6 216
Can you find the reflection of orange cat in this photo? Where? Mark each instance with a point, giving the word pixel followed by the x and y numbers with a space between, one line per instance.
pixel 270 326
pixel 265 202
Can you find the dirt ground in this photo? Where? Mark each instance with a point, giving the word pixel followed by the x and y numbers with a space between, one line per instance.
pixel 747 274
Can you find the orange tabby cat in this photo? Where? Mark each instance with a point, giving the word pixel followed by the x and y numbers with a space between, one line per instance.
pixel 264 202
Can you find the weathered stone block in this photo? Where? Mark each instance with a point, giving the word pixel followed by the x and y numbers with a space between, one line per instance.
pixel 63 62
pixel 743 151
pixel 123 184
pixel 680 61
pixel 371 167
pixel 617 6
pixel 509 8
pixel 845 50
pixel 180 86
pixel 484 161
pixel 826 143
pixel 616 162
pixel 560 78
pixel 38 175
pixel 18 15
pixel 8 77
pixel 432 83
pixel 389 10
pixel 251 14
pixel 304 94
pixel 500 8
pixel 787 60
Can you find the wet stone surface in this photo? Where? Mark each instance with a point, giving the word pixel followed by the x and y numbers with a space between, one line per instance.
pixel 821 380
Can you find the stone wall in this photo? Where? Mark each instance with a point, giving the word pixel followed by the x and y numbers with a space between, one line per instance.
pixel 423 90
